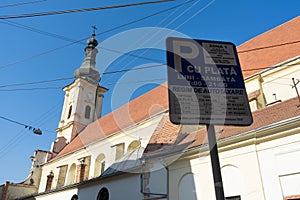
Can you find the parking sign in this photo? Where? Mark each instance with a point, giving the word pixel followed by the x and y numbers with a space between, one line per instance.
pixel 205 83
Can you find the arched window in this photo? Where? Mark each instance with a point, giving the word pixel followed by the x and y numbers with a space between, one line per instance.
pixel 49 181
pixel 99 165
pixel 70 112
pixel 62 175
pixel 189 187
pixel 74 197
pixel 87 112
pixel 71 174
pixel 119 150
pixel 133 145
pixel 103 194
pixel 232 182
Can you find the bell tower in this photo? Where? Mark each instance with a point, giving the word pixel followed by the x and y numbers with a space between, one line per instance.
pixel 83 99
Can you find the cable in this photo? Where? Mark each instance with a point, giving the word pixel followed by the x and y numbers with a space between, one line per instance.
pixel 80 10
pixel 134 69
pixel 76 41
pixel 22 3
pixel 47 88
pixel 40 54
pixel 143 41
pixel 25 125
pixel 27 89
pixel 104 73
pixel 271 46
pixel 17 138
pixel 131 54
pixel 8 22
pixel 36 82
pixel 137 81
pixel 18 25
pixel 148 16
pixel 79 41
pixel 68 78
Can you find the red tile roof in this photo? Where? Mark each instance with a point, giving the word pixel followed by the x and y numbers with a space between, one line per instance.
pixel 135 111
pixel 264 117
pixel 285 44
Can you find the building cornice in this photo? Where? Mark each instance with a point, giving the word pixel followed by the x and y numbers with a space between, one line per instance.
pixel 254 137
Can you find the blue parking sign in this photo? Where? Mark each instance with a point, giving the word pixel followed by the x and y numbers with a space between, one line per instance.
pixel 205 83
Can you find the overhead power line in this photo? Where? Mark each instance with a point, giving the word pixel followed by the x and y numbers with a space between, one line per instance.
pixel 111 83
pixel 148 16
pixel 32 29
pixel 40 54
pixel 29 89
pixel 104 73
pixel 68 78
pixel 77 41
pixel 19 25
pixel 270 46
pixel 21 3
pixel 80 10
pixel 36 82
pixel 34 130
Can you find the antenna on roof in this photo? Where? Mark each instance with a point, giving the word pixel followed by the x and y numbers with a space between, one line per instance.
pixel 295 86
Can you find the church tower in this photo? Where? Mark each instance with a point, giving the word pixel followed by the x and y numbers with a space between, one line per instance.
pixel 83 99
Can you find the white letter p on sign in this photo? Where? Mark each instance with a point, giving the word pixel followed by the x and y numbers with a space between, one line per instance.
pixel 178 53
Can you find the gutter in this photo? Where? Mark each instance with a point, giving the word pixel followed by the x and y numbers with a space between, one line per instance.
pixel 260 129
pixel 273 67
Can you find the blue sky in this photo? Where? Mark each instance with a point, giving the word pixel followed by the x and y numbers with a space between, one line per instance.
pixel 28 56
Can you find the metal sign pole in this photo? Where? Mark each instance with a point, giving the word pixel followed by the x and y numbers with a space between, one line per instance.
pixel 215 163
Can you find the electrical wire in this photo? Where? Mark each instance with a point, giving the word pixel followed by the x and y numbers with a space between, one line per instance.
pixel 104 73
pixel 47 88
pixel 19 123
pixel 134 69
pixel 80 10
pixel 136 81
pixel 22 3
pixel 36 82
pixel 8 22
pixel 143 40
pixel 22 26
pixel 109 30
pixel 29 89
pixel 39 122
pixel 68 78
pixel 270 46
pixel 148 16
pixel 77 41
pixel 40 54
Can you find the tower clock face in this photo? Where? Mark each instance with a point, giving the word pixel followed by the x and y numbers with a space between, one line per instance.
pixel 90 96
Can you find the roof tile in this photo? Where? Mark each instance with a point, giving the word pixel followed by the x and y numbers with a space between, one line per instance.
pixel 285 40
pixel 264 117
pixel 131 113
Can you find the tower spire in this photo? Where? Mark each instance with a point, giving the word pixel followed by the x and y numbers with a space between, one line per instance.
pixel 88 70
